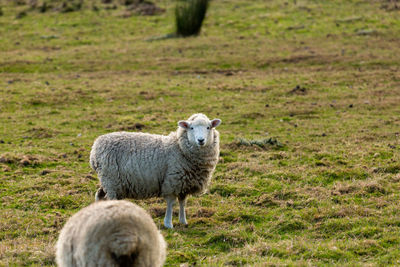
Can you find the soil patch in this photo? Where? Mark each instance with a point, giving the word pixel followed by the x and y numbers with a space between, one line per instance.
pixel 132 7
pixel 298 90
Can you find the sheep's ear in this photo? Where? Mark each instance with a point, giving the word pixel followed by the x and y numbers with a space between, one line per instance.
pixel 183 124
pixel 215 123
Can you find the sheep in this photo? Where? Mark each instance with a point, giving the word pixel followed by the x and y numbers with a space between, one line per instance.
pixel 142 165
pixel 110 233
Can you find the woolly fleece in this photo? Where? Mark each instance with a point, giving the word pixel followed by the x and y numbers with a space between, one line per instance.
pixel 110 233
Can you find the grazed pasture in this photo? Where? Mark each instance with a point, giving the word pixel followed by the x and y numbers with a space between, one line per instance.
pixel 321 78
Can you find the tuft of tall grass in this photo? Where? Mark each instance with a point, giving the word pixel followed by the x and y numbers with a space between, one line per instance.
pixel 189 16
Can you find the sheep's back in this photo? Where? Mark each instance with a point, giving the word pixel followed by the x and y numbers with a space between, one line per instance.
pixel 103 232
pixel 134 162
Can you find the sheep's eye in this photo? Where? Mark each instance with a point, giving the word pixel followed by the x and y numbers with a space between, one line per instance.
pixel 208 128
pixel 191 128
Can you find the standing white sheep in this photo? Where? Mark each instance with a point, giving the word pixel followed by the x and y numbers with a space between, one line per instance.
pixel 140 165
pixel 110 233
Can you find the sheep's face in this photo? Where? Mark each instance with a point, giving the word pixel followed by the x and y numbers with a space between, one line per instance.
pixel 200 131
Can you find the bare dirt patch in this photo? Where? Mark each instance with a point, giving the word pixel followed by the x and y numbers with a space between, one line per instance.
pixel 132 7
pixel 23 160
pixel 259 144
pixel 41 132
pixel 204 213
pixel 298 90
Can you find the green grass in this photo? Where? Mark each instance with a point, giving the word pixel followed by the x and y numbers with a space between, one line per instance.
pixel 327 195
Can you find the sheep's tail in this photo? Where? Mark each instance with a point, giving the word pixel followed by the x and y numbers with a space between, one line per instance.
pixel 100 194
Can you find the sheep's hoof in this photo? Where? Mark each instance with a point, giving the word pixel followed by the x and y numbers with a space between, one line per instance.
pixel 168 226
pixel 184 223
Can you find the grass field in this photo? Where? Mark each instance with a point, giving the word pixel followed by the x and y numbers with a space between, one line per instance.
pixel 320 77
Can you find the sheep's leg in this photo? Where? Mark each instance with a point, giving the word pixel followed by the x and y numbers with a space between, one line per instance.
pixel 100 194
pixel 168 214
pixel 182 213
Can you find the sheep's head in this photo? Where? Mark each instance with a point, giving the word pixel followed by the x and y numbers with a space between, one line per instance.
pixel 200 130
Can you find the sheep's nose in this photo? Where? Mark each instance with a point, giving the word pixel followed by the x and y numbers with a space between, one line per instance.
pixel 201 141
